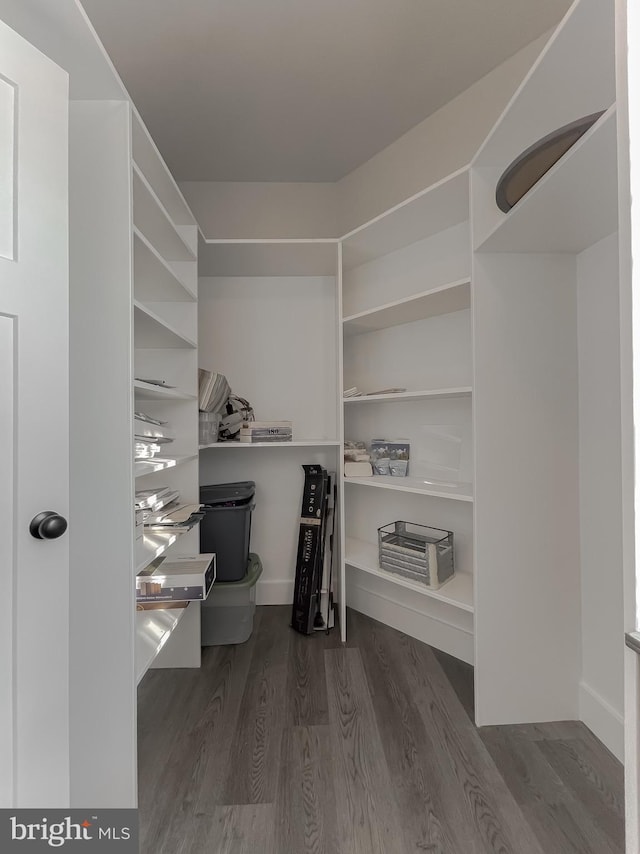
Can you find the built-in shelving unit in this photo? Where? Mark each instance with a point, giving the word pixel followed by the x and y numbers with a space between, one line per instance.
pixel 165 342
pixel 406 299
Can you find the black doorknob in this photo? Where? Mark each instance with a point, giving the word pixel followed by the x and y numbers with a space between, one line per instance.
pixel 47 525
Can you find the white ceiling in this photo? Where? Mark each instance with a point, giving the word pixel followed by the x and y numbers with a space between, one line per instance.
pixel 301 90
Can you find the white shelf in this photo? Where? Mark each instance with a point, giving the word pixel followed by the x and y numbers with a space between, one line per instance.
pixel 153 630
pixel 454 296
pixel 580 190
pixel 305 443
pixel 151 332
pixel 268 257
pixel 154 278
pixel 418 485
pixel 151 218
pixel 434 394
pixel 148 391
pixel 143 468
pixel 457 592
pixel 154 544
pixel 150 163
pixel 434 209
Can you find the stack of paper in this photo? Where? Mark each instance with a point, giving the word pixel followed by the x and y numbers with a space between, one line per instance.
pixel 213 391
pixel 174 517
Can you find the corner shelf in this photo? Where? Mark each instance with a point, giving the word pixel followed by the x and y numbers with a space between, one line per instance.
pixel 155 279
pixel 435 394
pixel 153 630
pixel 454 296
pixel 151 332
pixel 581 190
pixel 149 391
pixel 305 443
pixel 151 218
pixel 457 592
pixel 420 486
pixel 142 468
pixel 246 258
pixel 434 209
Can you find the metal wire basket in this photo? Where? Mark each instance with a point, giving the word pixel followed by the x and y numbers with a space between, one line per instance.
pixel 417 552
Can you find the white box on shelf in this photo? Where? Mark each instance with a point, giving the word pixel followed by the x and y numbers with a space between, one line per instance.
pixel 182 578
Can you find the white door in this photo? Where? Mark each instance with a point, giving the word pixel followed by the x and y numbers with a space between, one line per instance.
pixel 34 430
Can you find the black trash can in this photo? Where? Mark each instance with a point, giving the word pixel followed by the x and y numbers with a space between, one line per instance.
pixel 226 526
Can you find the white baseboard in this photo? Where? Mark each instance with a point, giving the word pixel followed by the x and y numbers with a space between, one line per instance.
pixel 603 720
pixel 433 629
pixel 274 592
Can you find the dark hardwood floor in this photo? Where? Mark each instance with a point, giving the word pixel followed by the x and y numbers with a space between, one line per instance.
pixel 287 744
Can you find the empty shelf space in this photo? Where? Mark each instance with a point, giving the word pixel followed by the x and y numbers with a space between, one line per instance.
pixel 458 591
pixel 154 278
pixel 435 209
pixel 418 485
pixel 145 467
pixel 303 443
pixel 149 391
pixel 153 630
pixel 434 394
pixel 151 218
pixel 454 296
pixel 580 190
pixel 268 258
pixel 151 332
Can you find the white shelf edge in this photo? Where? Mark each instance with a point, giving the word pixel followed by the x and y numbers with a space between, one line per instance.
pixel 305 443
pixel 264 241
pixel 153 630
pixel 390 211
pixel 172 182
pixel 138 171
pixel 158 392
pixel 163 463
pixel 364 556
pixel 520 209
pixel 188 342
pixel 433 394
pixel 409 484
pixel 380 309
pixel 147 243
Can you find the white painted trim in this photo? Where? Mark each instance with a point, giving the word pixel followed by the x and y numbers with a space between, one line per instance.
pixel 259 241
pixel 277 591
pixel 435 631
pixel 603 720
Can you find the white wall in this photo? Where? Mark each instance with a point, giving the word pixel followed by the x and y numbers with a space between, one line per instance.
pixel 227 209
pixel 437 146
pixel 601 688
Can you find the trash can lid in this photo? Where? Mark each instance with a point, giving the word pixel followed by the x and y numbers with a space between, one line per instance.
pixel 225 493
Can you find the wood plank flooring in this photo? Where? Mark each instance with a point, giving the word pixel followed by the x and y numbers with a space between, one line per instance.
pixel 289 745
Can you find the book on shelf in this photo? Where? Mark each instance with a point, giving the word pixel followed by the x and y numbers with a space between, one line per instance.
pixel 266 431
